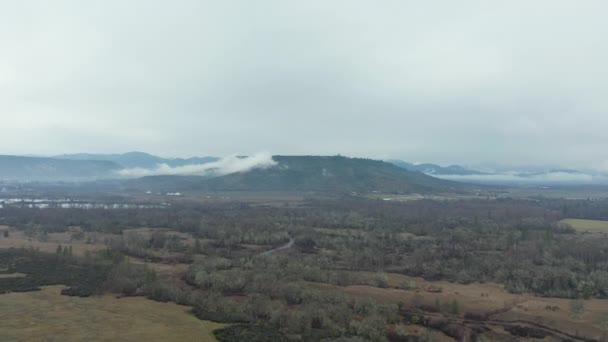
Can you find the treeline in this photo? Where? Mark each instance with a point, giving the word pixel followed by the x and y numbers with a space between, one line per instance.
pixel 517 243
pixel 83 276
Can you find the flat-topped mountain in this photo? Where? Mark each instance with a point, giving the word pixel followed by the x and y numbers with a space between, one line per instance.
pixel 335 174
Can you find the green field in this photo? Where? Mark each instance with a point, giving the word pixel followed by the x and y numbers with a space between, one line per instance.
pixel 48 316
pixel 593 226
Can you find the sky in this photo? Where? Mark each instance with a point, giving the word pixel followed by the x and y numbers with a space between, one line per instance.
pixel 467 82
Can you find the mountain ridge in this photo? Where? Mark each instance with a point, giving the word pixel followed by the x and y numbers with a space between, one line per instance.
pixel 19 168
pixel 334 174
pixel 136 159
pixel 434 169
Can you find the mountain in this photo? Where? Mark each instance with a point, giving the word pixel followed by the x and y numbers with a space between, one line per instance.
pixel 45 169
pixel 333 174
pixel 549 173
pixel 138 159
pixel 433 169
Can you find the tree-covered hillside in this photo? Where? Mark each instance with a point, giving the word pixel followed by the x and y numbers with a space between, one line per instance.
pixel 334 174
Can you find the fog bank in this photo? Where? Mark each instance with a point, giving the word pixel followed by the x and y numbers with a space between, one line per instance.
pixel 224 166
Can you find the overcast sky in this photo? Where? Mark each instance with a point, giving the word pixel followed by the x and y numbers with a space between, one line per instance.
pixel 514 82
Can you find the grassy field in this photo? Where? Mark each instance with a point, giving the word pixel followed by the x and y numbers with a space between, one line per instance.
pixel 592 226
pixel 18 239
pixel 48 316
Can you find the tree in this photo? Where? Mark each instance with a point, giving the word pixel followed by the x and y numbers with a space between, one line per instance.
pixel 371 327
pixel 44 237
pixel 198 249
pixel 126 278
pixel 454 307
pixel 577 308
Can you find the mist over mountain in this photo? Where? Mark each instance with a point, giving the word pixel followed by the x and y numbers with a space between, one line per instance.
pixel 86 167
pixel 434 169
pixel 17 168
pixel 544 178
pixel 334 174
pixel 262 171
pixel 219 167
pixel 138 159
pixel 514 176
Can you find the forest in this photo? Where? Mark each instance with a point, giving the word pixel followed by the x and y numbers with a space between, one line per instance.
pixel 298 293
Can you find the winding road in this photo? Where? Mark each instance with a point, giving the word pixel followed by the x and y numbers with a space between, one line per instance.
pixel 280 248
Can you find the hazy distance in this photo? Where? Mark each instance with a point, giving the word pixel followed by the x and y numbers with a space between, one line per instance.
pixel 467 82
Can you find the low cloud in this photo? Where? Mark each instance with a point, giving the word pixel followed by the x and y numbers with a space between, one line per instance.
pixel 541 178
pixel 224 166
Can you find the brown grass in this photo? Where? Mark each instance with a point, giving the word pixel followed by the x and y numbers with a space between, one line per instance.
pixel 13 275
pixel 488 298
pixel 18 239
pixel 48 316
pixel 588 226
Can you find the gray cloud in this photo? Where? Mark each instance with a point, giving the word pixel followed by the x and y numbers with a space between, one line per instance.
pixel 539 179
pixel 518 82
pixel 224 166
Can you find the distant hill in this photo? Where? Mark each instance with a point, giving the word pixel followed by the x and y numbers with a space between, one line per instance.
pixel 138 159
pixel 84 166
pixel 549 173
pixel 433 169
pixel 42 169
pixel 333 174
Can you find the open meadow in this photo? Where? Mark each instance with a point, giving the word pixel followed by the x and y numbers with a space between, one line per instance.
pixel 588 226
pixel 47 315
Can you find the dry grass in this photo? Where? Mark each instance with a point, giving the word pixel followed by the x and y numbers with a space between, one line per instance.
pixel 488 298
pixel 147 233
pixel 420 331
pixel 163 270
pixel 13 275
pixel 590 226
pixel 18 239
pixel 359 233
pixel 48 316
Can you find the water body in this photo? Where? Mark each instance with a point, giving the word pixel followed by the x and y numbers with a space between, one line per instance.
pixel 46 203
